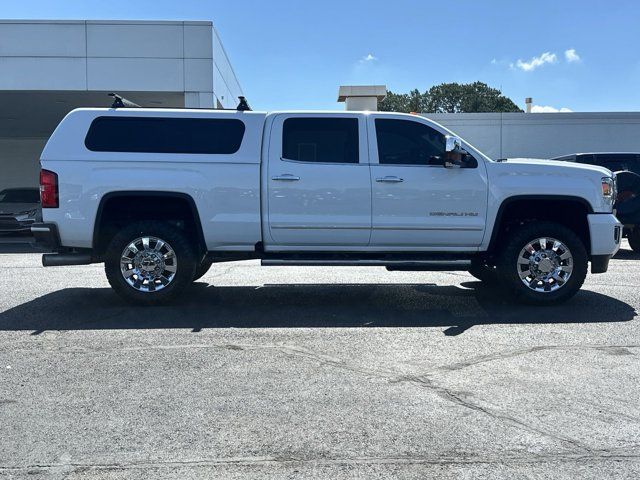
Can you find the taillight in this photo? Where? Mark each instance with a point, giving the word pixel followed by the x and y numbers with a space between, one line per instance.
pixel 49 189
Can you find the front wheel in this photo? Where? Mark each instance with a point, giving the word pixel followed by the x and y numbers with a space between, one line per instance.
pixel 150 262
pixel 543 263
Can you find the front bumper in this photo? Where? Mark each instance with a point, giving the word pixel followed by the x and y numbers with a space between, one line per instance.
pixel 605 232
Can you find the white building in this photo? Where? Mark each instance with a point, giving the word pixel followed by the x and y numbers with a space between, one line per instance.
pixel 545 135
pixel 362 97
pixel 532 135
pixel 47 68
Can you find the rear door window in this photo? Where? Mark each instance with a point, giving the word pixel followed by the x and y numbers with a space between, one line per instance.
pixel 320 140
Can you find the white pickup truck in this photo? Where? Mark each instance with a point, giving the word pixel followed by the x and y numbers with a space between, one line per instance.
pixel 159 195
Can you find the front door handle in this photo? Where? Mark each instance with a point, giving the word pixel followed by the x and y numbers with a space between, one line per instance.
pixel 390 179
pixel 286 177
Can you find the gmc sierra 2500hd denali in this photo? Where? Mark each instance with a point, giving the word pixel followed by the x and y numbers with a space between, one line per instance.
pixel 159 195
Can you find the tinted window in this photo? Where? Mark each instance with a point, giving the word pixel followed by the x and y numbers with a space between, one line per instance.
pixel 26 195
pixel 634 165
pixel 403 142
pixel 326 140
pixel 566 158
pixel 616 163
pixel 613 161
pixel 615 157
pixel 165 135
pixel 615 166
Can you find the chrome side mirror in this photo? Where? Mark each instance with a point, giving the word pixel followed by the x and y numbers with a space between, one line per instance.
pixel 454 153
pixel 453 144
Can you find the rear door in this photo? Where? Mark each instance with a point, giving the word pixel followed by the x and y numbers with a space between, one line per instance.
pixel 319 187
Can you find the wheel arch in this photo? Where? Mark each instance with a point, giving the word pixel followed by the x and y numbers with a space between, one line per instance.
pixel 182 201
pixel 514 209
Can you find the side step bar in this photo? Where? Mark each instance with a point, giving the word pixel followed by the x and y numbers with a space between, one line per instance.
pixel 391 265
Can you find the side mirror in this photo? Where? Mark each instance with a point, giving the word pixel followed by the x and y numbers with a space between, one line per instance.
pixel 453 144
pixel 455 155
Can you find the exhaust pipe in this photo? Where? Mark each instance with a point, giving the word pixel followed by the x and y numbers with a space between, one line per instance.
pixel 62 259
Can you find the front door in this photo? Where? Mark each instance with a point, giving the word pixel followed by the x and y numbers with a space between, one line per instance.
pixel 319 187
pixel 417 202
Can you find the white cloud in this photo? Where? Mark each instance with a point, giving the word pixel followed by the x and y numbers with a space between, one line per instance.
pixel 368 58
pixel 571 55
pixel 548 109
pixel 535 62
pixel 501 62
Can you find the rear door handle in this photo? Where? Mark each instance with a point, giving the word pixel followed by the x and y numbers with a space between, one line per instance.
pixel 286 177
pixel 390 179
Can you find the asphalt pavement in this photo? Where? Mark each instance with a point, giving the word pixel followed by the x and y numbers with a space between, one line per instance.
pixel 316 373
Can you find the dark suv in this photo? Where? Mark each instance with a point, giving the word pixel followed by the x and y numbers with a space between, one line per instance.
pixel 613 161
pixel 627 169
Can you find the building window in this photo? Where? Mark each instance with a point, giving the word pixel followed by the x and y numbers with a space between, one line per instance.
pixel 165 135
pixel 322 140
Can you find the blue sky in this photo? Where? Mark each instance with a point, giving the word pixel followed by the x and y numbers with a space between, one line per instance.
pixel 580 55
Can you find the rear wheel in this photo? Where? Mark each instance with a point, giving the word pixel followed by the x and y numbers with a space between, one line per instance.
pixel 543 263
pixel 634 238
pixel 150 262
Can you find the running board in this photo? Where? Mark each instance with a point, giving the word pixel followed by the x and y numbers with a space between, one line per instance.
pixel 391 265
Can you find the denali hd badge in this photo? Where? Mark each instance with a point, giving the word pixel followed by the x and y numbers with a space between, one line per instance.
pixel 453 214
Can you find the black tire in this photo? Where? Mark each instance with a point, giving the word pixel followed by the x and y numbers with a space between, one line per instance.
pixel 484 271
pixel 634 238
pixel 184 253
pixel 518 239
pixel 202 269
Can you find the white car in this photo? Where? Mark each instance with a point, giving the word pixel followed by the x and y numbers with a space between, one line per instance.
pixel 159 195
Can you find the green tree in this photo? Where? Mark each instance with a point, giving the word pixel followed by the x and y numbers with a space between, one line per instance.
pixel 414 101
pixel 395 102
pixel 450 98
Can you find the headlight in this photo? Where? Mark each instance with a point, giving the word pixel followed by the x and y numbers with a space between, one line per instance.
pixel 608 188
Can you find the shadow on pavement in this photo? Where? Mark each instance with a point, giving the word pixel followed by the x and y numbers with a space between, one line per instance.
pixel 18 244
pixel 627 254
pixel 307 306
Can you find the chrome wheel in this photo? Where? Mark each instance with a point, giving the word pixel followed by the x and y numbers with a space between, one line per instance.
pixel 148 264
pixel 545 264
